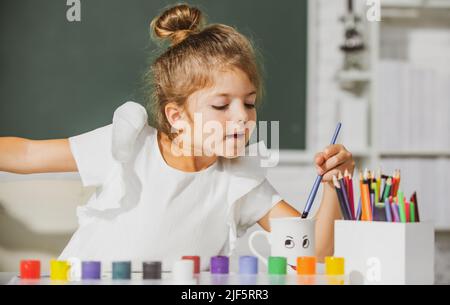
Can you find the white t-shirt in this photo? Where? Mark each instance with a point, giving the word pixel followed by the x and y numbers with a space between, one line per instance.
pixel 146 210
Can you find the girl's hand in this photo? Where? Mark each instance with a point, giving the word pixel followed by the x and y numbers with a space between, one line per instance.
pixel 333 159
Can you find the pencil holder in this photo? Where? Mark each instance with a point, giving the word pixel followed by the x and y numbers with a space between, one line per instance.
pixel 386 253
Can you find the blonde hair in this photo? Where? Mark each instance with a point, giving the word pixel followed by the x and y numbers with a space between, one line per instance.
pixel 195 52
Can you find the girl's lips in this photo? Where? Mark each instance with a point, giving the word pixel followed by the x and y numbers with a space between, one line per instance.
pixel 235 136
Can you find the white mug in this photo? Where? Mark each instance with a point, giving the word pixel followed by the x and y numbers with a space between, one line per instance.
pixel 290 237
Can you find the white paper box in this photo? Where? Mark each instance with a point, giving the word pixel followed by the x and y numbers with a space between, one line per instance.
pixel 386 253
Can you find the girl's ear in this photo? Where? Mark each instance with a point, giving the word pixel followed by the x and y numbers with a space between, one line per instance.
pixel 174 114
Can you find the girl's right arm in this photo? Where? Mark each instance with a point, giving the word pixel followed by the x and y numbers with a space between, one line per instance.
pixel 24 156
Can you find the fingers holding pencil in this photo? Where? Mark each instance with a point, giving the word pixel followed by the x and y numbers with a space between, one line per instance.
pixel 334 159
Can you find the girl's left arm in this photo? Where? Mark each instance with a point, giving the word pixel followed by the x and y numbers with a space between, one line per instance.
pixel 333 159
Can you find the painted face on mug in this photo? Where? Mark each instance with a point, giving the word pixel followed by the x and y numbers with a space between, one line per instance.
pixel 294 243
pixel 290 237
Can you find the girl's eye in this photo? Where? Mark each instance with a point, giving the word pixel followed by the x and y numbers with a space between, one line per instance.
pixel 220 107
pixel 248 106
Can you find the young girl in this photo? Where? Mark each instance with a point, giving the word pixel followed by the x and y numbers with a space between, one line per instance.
pixel 159 197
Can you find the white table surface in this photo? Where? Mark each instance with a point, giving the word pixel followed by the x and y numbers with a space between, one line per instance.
pixel 205 278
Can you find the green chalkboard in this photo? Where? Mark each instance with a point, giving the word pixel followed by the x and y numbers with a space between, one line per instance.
pixel 60 78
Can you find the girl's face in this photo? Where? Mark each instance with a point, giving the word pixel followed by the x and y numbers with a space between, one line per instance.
pixel 222 117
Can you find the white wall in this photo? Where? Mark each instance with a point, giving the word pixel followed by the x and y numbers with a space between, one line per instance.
pixel 37 216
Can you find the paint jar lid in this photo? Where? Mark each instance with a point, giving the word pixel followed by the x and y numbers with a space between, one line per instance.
pixel 30 269
pixel 74 269
pixel 59 270
pixel 306 265
pixel 121 270
pixel 196 260
pixel 248 265
pixel 219 264
pixel 91 270
pixel 334 265
pixel 151 270
pixel 277 265
pixel 183 270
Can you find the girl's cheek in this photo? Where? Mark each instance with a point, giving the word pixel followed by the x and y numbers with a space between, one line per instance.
pixel 214 115
pixel 252 115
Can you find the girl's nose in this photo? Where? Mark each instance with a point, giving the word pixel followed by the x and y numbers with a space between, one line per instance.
pixel 239 113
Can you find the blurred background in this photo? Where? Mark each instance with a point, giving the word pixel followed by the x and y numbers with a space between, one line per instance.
pixel 388 81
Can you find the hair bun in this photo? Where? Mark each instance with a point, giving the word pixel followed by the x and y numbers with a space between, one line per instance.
pixel 177 23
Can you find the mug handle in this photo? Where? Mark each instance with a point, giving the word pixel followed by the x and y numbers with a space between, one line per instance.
pixel 74 272
pixel 252 248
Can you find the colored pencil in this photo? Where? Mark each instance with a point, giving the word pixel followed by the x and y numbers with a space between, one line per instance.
pixel 387 208
pixel 366 207
pixel 416 206
pixel 352 195
pixel 349 186
pixel 360 179
pixel 312 194
pixel 412 212
pixel 378 189
pixel 359 210
pixel 407 212
pixel 394 209
pixel 366 175
pixel 380 197
pixel 367 194
pixel 379 212
pixel 344 193
pixel 375 193
pixel 340 196
pixel 372 201
pixel 387 189
pixel 401 206
pixel 396 183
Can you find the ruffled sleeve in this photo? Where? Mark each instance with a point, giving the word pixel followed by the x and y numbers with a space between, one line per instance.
pixel 119 190
pixel 92 153
pixel 250 195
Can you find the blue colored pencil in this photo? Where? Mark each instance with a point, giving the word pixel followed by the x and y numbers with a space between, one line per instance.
pixel 312 194
pixel 341 200
pixel 387 207
pixel 359 210
pixel 395 212
pixel 372 201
